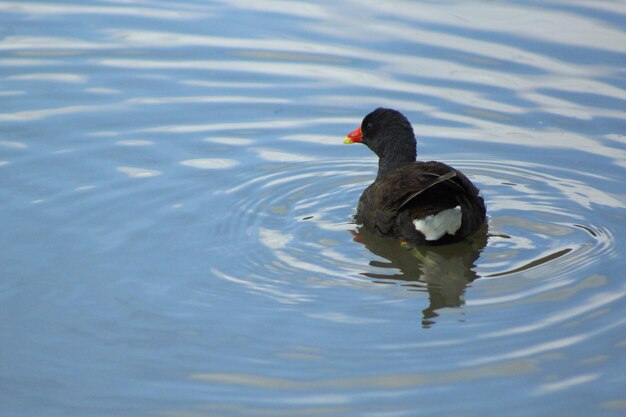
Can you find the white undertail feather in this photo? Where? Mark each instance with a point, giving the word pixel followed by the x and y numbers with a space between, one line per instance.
pixel 436 225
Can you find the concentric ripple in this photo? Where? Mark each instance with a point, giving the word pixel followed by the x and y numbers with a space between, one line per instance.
pixel 296 220
pixel 177 233
pixel 542 230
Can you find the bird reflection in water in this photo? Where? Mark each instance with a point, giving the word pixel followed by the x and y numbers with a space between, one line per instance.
pixel 444 271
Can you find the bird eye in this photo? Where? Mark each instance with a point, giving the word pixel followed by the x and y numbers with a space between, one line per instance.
pixel 369 126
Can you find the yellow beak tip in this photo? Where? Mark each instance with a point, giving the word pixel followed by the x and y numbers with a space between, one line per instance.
pixel 348 140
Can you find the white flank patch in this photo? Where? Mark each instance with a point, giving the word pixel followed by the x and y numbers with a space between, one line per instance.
pixel 437 225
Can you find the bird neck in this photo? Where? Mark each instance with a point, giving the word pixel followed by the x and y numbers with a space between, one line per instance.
pixel 387 163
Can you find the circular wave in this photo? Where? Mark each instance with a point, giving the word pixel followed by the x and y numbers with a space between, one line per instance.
pixel 300 215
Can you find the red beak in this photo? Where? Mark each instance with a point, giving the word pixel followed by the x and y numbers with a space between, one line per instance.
pixel 354 137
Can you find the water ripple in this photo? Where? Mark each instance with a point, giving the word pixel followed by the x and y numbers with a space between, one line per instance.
pixel 177 205
pixel 299 213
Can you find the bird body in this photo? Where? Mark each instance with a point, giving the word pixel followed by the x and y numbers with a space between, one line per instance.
pixel 423 203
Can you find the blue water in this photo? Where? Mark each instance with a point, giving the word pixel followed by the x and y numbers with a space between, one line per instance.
pixel 176 234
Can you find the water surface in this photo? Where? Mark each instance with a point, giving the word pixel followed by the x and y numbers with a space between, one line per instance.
pixel 176 227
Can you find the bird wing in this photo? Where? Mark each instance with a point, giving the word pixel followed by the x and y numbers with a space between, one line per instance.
pixel 435 180
pixel 381 202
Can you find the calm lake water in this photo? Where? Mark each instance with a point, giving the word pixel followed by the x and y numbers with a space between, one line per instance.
pixel 176 234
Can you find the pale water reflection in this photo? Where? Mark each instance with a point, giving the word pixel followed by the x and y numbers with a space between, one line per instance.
pixel 176 227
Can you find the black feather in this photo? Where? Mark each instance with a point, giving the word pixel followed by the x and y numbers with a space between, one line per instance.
pixel 406 190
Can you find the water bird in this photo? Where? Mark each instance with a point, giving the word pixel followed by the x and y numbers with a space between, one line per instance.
pixel 417 202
